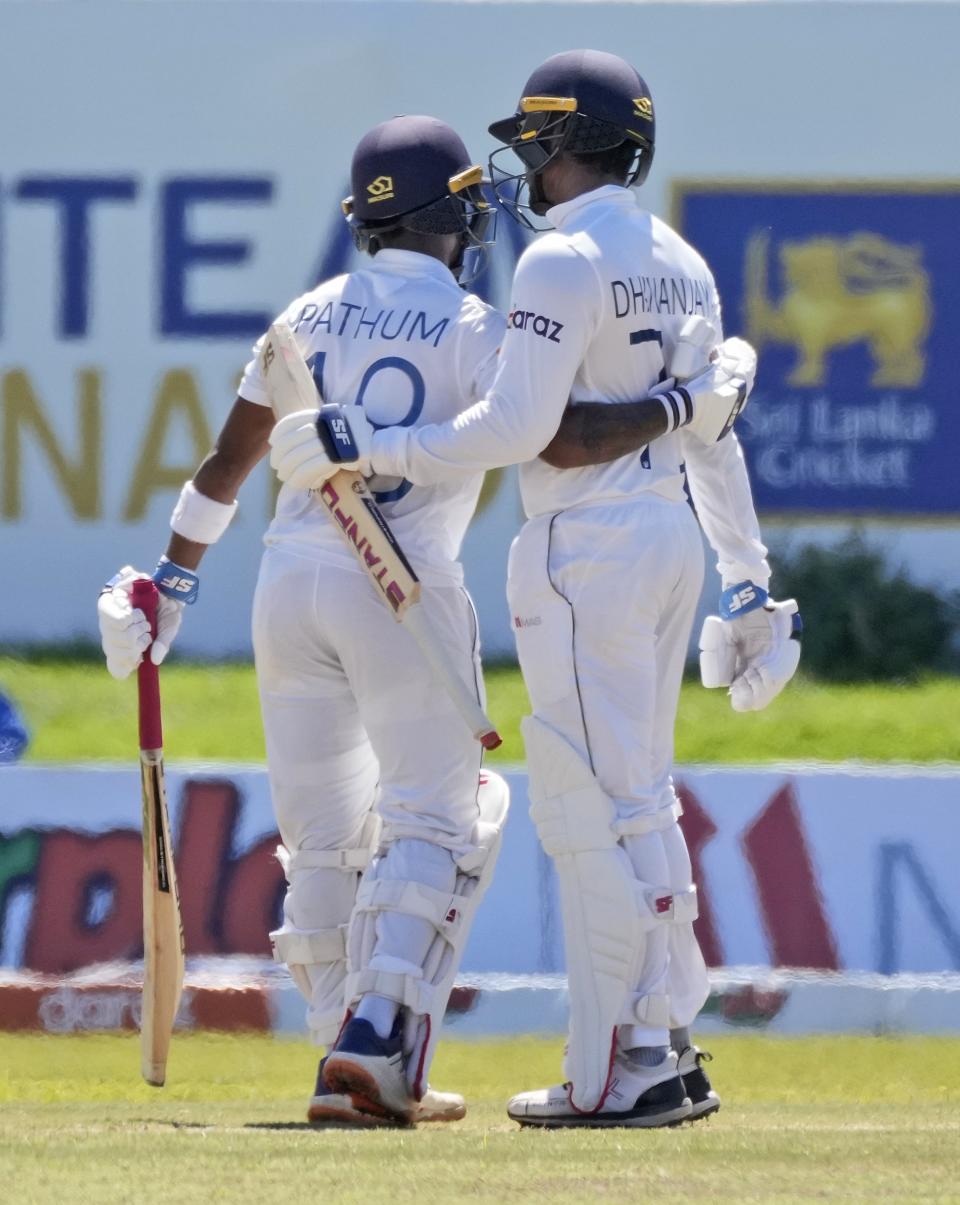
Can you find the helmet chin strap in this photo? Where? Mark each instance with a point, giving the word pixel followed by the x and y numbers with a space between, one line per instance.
pixel 538 201
pixel 456 265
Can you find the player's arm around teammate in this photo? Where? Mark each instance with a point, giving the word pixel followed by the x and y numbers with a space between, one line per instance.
pixel 603 580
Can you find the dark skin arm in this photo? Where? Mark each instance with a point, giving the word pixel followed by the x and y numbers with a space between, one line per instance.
pixel 240 446
pixel 596 432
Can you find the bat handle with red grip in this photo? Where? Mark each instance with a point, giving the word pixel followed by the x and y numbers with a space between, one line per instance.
pixel 144 596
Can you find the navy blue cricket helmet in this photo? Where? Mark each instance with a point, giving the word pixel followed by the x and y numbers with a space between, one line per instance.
pixel 414 173
pixel 581 101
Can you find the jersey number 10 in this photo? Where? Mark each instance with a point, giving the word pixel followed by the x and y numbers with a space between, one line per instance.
pixel 418 395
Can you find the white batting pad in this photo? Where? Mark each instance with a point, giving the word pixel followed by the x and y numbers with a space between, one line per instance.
pixel 422 982
pixel 602 924
pixel 607 909
pixel 322 887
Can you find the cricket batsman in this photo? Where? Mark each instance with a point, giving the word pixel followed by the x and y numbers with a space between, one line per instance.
pixel 605 575
pixel 390 830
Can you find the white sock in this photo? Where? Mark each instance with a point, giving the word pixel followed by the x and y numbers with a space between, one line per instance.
pixel 647 1056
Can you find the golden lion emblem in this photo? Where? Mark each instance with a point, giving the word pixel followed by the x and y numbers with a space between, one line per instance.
pixel 861 289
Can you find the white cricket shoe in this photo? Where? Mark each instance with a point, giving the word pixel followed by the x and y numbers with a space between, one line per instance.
pixel 371 1070
pixel 441 1106
pixel 638 1097
pixel 339 1109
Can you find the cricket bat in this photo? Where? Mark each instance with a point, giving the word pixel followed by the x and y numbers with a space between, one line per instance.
pixel 162 927
pixel 360 521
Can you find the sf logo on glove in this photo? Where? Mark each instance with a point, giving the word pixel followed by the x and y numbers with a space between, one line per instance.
pixel 336 434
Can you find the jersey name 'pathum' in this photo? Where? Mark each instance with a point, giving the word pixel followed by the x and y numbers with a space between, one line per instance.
pixel 351 321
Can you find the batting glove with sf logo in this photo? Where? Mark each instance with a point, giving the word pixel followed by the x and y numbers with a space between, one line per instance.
pixel 752 646
pixel 124 631
pixel 309 446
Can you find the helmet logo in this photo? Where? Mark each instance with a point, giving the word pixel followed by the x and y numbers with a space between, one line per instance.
pixel 380 189
pixel 643 107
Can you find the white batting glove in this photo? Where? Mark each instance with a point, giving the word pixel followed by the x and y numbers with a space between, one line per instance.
pixel 310 446
pixel 124 630
pixel 711 383
pixel 696 344
pixel 752 647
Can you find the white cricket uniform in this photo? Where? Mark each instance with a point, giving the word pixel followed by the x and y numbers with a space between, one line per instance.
pixel 605 576
pixel 351 710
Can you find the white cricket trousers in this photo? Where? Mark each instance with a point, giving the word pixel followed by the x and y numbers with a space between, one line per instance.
pixel 353 720
pixel 603 598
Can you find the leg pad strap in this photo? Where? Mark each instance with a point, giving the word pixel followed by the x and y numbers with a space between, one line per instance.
pixel 655 823
pixel 406 986
pixel 442 910
pixel 356 860
pixel 306 948
pixel 653 1011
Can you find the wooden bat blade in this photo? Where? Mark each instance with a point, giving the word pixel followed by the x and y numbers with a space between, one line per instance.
pixel 163 961
pixel 360 521
pixel 289 380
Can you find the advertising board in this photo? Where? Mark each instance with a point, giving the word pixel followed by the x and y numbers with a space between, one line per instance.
pixel 832 869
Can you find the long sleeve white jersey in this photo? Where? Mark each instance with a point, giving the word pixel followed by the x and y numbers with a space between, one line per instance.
pixel 400 338
pixel 597 307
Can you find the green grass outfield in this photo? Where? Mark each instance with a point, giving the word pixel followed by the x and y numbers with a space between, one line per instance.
pixel 77 712
pixel 838 1119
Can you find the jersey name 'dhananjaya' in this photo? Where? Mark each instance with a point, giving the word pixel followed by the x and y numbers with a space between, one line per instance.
pixel 660 295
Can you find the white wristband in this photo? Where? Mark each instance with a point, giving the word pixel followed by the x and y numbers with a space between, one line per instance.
pixel 678 407
pixel 199 518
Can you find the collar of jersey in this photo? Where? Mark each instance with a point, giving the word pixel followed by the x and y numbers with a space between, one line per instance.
pixel 410 263
pixel 607 194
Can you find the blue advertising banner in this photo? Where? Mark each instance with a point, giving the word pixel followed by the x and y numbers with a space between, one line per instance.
pixel 851 294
